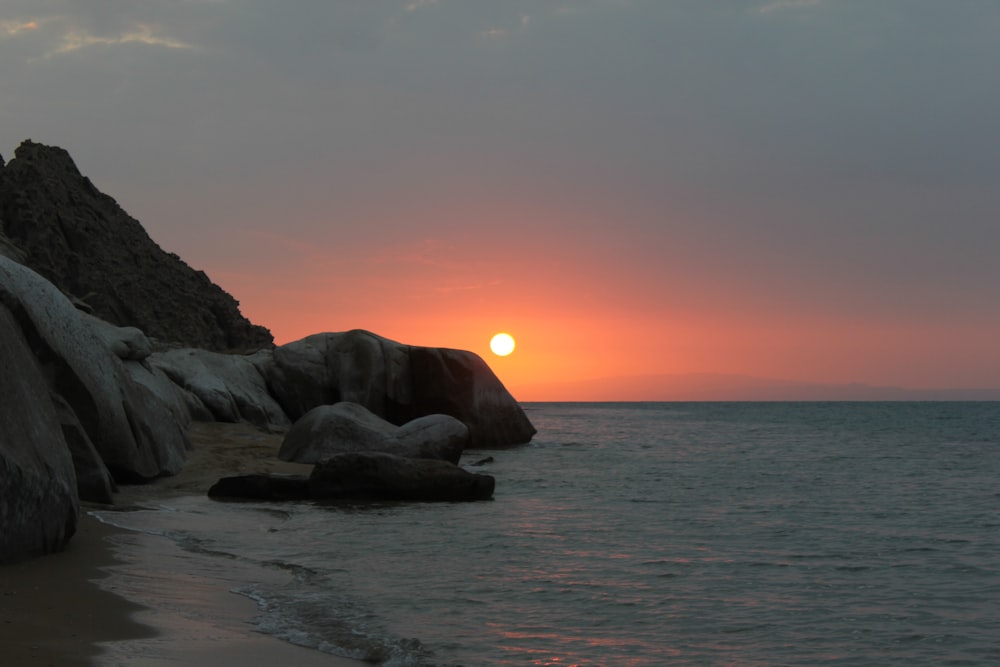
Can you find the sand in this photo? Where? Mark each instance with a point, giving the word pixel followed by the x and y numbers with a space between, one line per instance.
pixel 55 610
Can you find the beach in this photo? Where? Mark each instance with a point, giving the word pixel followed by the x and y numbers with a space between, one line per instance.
pixel 116 597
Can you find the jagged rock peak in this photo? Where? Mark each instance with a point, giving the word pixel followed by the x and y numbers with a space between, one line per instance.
pixel 81 240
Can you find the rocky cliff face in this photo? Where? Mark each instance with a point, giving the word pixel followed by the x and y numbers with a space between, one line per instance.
pixel 84 243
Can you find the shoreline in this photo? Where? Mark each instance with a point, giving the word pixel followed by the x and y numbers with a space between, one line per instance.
pixel 118 597
pixel 53 613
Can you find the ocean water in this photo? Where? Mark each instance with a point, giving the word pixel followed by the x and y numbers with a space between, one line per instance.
pixel 642 534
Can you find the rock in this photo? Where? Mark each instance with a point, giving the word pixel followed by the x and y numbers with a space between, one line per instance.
pixel 481 462
pixel 396 382
pixel 38 501
pixel 126 343
pixel 378 476
pixel 11 251
pixel 230 386
pixel 94 482
pixel 333 429
pixel 85 244
pixel 183 405
pixel 432 437
pixel 261 486
pixel 349 427
pixel 362 476
pixel 135 433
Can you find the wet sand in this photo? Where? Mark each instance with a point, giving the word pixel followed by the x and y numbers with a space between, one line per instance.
pixel 58 610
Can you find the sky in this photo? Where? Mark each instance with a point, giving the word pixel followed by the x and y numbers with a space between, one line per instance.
pixel 806 190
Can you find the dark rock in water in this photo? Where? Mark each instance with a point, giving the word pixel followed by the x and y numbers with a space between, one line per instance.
pixel 362 476
pixel 38 501
pixel 377 476
pixel 84 243
pixel 398 383
pixel 261 486
pixel 349 427
pixel 482 462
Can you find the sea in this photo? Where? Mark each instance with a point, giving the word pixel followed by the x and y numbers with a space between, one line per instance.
pixel 646 534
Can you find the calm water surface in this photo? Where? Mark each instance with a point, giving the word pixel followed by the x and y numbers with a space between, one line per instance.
pixel 634 534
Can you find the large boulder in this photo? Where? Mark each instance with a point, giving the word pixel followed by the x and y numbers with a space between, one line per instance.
pixel 38 501
pixel 231 387
pixel 350 427
pixel 84 243
pixel 396 382
pixel 134 432
pixel 379 476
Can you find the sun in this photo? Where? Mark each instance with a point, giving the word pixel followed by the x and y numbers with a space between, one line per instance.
pixel 502 344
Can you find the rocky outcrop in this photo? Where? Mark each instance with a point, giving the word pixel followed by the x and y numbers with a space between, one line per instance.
pixel 84 243
pixel 345 427
pixel 91 400
pixel 228 387
pixel 396 382
pixel 135 434
pixel 38 496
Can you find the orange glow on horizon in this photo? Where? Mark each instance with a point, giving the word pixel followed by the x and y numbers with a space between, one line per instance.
pixel 585 310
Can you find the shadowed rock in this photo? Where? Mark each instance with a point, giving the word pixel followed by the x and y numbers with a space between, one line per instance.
pixel 348 427
pixel 38 501
pixel 380 476
pixel 396 382
pixel 84 243
pixel 136 435
pixel 231 387
pixel 261 486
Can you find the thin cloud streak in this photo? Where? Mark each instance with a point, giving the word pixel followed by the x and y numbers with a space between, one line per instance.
pixel 74 40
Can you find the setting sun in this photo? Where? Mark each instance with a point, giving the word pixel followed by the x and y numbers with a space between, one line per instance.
pixel 502 344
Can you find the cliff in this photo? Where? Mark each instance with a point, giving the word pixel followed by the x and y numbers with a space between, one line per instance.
pixel 84 243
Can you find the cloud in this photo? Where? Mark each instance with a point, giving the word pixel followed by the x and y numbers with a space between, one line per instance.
pixel 12 28
pixel 75 39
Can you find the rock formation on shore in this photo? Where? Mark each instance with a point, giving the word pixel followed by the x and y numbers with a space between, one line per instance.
pixel 90 402
pixel 84 243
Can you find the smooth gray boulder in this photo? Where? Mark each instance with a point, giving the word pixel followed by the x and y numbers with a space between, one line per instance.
pixel 378 476
pixel 38 501
pixel 231 387
pixel 133 431
pixel 432 437
pixel 396 382
pixel 350 427
pixel 184 406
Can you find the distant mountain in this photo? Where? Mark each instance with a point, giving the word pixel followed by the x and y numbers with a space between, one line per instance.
pixel 721 387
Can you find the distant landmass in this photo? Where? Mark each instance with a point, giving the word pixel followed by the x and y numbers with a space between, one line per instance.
pixel 721 387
